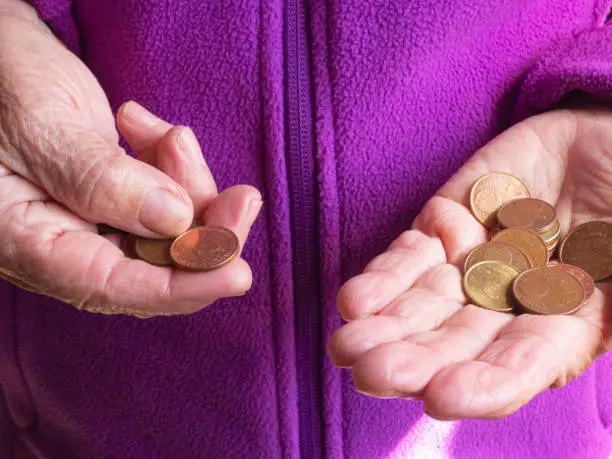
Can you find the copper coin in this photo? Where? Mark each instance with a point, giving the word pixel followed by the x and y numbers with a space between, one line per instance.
pixel 528 241
pixel 493 190
pixel 552 233
pixel 154 251
pixel 589 246
pixel 548 290
pixel 533 214
pixel 204 248
pixel 583 277
pixel 497 251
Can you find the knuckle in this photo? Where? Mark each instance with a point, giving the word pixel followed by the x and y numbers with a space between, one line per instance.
pixel 94 183
pixel 407 239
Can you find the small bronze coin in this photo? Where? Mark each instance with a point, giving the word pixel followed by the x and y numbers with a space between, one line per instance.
pixel 488 284
pixel 589 246
pixel 529 213
pixel 527 241
pixel 552 249
pixel 204 248
pixel 548 290
pixel 497 251
pixel 552 233
pixel 154 251
pixel 493 190
pixel 583 277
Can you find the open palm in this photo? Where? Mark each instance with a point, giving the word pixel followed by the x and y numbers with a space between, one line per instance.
pixel 411 332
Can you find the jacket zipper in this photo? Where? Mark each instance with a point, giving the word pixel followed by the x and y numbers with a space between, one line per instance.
pixel 302 189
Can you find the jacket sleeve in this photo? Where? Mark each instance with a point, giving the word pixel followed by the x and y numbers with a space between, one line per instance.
pixel 60 17
pixel 578 68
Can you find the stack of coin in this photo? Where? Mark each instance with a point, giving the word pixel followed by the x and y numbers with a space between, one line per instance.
pixel 501 201
pixel 533 214
pixel 200 248
pixel 512 271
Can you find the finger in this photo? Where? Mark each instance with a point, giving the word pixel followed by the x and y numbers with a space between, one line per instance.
pixel 42 239
pixel 172 149
pixel 118 284
pixel 142 130
pixel 179 156
pixel 236 208
pixel 406 367
pixel 454 224
pixel 434 241
pixel 389 274
pixel 530 354
pixel 434 297
pixel 93 176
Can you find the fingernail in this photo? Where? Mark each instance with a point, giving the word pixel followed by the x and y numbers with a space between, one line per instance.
pixel 254 208
pixel 137 114
pixel 164 212
pixel 188 144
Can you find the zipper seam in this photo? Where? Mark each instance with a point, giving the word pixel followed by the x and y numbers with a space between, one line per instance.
pixel 304 222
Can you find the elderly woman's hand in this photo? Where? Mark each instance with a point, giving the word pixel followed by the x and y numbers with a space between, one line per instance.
pixel 411 331
pixel 62 171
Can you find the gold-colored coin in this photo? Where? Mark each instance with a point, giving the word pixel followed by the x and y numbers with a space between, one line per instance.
pixel 497 251
pixel 552 233
pixel 488 284
pixel 493 190
pixel 548 290
pixel 552 244
pixel 589 246
pixel 528 241
pixel 528 213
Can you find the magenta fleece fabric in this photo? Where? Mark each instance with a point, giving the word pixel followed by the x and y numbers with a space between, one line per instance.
pixel 404 92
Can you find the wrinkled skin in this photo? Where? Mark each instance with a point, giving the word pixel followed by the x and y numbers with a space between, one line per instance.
pixel 62 171
pixel 410 331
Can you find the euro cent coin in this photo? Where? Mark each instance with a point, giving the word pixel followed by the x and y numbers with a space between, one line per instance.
pixel 154 251
pixel 498 251
pixel 548 290
pixel 204 248
pixel 583 277
pixel 589 246
pixel 488 285
pixel 529 213
pixel 493 190
pixel 528 241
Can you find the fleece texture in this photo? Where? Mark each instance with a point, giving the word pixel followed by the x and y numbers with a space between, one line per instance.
pixel 405 92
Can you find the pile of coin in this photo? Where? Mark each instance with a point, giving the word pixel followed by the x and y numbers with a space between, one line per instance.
pixel 513 271
pixel 200 248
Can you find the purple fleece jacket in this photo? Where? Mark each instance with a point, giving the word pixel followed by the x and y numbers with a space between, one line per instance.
pixel 403 92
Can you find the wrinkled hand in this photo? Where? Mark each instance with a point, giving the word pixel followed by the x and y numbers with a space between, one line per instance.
pixel 411 332
pixel 62 171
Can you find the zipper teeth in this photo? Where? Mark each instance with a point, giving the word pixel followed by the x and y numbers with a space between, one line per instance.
pixel 302 179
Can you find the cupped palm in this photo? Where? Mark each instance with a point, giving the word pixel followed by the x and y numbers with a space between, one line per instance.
pixel 411 332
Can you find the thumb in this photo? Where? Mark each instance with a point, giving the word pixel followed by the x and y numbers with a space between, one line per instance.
pixel 102 184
